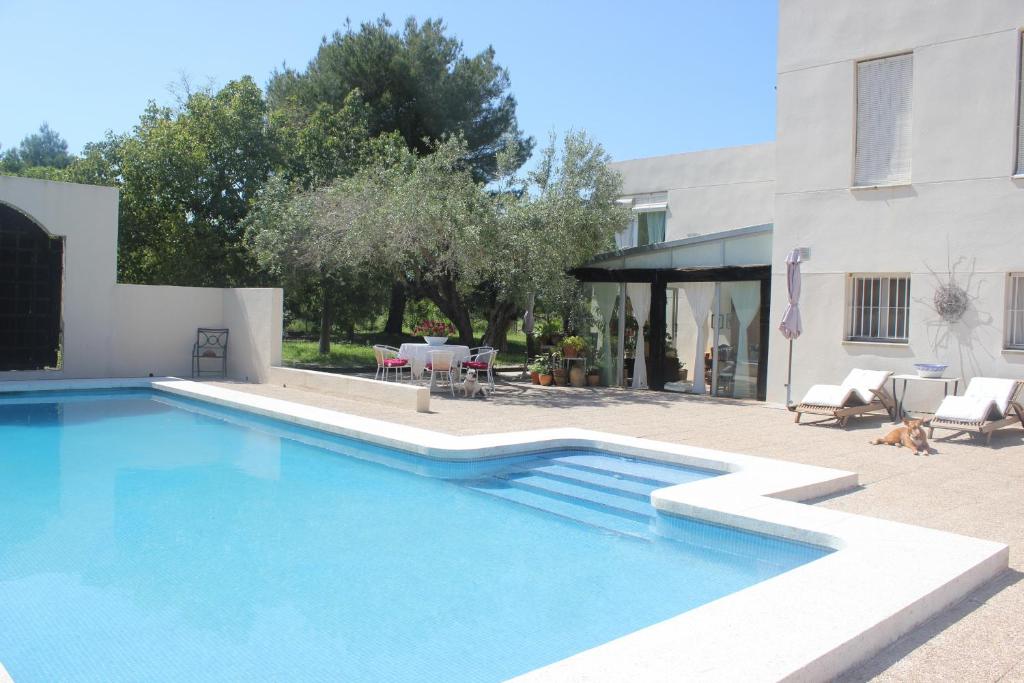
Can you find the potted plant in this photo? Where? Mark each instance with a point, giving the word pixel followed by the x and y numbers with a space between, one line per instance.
pixel 573 346
pixel 560 374
pixel 549 330
pixel 537 367
pixel 594 375
pixel 544 375
pixel 434 332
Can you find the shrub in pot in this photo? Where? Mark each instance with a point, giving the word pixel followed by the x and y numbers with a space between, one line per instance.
pixel 573 346
pixel 542 366
pixel 560 374
pixel 594 375
pixel 537 368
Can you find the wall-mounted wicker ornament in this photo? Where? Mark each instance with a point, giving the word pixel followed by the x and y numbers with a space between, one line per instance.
pixel 950 302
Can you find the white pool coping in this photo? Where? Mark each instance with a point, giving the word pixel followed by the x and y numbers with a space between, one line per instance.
pixel 807 624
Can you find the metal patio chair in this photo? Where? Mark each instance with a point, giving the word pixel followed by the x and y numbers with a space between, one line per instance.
pixel 481 360
pixel 211 347
pixel 388 362
pixel 442 364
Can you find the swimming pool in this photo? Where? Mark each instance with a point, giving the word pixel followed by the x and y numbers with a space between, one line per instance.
pixel 149 537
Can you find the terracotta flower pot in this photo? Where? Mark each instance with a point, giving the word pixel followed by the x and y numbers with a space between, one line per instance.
pixel 561 377
pixel 545 380
pixel 577 377
pixel 570 352
pixel 594 380
pixel 534 377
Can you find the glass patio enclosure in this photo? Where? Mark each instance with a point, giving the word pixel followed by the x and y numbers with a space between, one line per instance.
pixel 689 315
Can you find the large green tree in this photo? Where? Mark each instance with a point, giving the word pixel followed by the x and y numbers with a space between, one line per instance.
pixel 300 231
pixel 44 149
pixel 471 247
pixel 187 175
pixel 417 82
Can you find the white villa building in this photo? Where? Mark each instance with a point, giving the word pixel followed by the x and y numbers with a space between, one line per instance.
pixel 898 169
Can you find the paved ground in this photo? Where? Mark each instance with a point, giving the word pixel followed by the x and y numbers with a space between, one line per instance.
pixel 965 488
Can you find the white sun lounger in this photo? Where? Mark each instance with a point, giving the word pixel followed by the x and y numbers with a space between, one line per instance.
pixel 863 391
pixel 989 404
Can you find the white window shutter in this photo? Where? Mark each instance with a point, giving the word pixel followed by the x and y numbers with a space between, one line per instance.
pixel 1020 114
pixel 884 116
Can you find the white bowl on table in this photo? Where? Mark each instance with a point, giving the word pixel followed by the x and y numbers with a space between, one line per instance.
pixel 436 341
pixel 930 370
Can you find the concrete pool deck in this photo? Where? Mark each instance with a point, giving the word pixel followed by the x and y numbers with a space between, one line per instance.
pixel 965 488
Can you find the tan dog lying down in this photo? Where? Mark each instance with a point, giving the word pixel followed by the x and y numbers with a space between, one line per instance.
pixel 910 435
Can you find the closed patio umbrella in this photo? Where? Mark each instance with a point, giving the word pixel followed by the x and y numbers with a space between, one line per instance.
pixel 791 326
pixel 531 299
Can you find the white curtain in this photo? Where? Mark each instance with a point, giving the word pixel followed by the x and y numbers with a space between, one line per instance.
pixel 700 296
pixel 639 294
pixel 746 299
pixel 655 221
pixel 605 294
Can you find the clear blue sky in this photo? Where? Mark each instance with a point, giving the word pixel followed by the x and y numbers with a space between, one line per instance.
pixel 643 78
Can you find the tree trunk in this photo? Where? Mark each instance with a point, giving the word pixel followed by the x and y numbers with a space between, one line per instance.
pixel 326 317
pixel 499 318
pixel 446 296
pixel 396 309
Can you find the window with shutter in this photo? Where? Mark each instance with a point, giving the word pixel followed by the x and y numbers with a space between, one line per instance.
pixel 1020 113
pixel 884 113
pixel 1015 311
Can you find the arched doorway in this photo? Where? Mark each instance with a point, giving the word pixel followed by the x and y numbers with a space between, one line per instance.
pixel 31 279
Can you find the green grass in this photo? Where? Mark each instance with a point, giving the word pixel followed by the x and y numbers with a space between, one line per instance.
pixel 300 353
pixel 359 354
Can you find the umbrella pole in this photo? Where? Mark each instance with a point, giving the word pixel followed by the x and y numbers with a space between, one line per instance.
pixel 789 376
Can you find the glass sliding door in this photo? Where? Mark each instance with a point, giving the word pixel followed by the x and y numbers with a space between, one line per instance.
pixel 737 340
pixel 721 353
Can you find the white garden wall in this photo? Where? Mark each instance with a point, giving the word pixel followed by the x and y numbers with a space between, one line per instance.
pixel 118 330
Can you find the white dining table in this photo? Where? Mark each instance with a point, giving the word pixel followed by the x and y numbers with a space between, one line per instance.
pixel 419 354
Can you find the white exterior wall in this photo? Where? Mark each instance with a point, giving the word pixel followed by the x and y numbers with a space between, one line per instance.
pixel 708 191
pixel 115 330
pixel 962 206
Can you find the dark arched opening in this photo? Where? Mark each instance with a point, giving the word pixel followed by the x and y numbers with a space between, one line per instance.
pixel 31 277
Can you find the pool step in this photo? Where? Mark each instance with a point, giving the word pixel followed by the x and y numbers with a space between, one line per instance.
pixel 605 491
pixel 623 504
pixel 601 481
pixel 655 474
pixel 591 516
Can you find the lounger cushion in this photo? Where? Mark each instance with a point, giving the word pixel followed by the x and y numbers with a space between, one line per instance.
pixel 395 362
pixel 986 398
pixel 864 382
pixel 856 389
pixel 967 409
pixel 998 390
pixel 475 365
pixel 827 396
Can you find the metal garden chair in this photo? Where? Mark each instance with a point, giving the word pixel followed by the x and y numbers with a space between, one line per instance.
pixel 211 347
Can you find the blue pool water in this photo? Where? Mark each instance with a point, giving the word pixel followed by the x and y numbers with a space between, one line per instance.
pixel 150 538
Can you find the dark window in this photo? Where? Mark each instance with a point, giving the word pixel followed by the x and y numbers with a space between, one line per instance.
pixel 31 273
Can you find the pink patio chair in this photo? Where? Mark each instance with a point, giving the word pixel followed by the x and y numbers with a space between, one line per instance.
pixel 389 362
pixel 442 364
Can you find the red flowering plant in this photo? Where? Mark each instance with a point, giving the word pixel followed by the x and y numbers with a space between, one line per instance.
pixel 434 328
